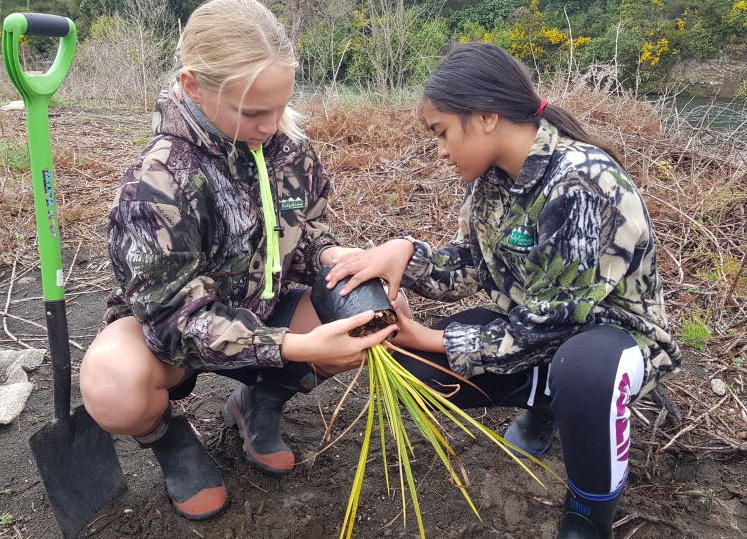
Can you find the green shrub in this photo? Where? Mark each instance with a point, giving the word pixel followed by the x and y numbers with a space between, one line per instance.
pixel 15 155
pixel 696 329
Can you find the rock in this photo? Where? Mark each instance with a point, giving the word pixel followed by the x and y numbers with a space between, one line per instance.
pixel 13 105
pixel 15 387
pixel 709 78
pixel 718 386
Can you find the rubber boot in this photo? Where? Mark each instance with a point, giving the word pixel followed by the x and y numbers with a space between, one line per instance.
pixel 193 481
pixel 585 519
pixel 256 410
pixel 533 431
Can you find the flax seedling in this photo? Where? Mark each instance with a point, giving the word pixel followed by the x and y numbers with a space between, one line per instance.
pixel 392 388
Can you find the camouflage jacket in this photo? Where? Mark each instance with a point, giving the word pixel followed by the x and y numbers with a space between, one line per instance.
pixel 567 245
pixel 187 240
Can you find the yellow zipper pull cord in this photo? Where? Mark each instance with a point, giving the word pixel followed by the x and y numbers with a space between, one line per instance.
pixel 272 264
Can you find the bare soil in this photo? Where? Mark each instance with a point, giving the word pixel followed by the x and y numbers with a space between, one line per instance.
pixel 688 478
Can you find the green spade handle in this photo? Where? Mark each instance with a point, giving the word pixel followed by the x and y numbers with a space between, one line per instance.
pixel 36 90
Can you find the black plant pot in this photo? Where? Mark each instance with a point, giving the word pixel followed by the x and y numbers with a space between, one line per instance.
pixel 369 295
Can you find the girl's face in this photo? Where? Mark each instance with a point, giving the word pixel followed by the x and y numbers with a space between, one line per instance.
pixel 249 116
pixel 465 146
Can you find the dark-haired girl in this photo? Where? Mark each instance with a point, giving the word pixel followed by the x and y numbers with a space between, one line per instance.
pixel 553 229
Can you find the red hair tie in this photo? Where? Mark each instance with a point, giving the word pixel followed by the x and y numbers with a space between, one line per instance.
pixel 541 108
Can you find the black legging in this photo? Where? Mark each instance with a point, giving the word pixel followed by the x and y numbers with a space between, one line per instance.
pixel 592 377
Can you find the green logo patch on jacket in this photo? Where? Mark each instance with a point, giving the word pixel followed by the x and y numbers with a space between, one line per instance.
pixel 521 237
pixel 289 204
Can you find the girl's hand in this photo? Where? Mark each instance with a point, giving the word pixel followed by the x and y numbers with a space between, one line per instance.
pixel 416 336
pixel 332 253
pixel 388 261
pixel 330 348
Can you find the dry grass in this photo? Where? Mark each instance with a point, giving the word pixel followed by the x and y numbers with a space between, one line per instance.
pixel 387 183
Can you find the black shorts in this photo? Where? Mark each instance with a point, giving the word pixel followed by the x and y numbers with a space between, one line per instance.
pixel 285 308
pixel 280 318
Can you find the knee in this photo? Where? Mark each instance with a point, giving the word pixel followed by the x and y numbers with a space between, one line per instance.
pixel 103 378
pixel 593 365
pixel 586 363
pixel 563 374
pixel 119 380
pixel 112 395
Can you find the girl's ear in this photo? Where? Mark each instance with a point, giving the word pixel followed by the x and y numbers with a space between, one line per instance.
pixel 489 121
pixel 190 86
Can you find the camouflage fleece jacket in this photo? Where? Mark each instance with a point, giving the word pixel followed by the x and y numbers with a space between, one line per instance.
pixel 187 240
pixel 567 245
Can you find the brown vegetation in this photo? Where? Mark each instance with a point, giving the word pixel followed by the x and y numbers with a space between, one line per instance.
pixel 388 182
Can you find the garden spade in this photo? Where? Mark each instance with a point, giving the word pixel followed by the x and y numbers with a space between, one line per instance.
pixel 76 458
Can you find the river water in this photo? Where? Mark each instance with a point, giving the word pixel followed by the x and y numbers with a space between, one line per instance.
pixel 715 120
pixel 722 114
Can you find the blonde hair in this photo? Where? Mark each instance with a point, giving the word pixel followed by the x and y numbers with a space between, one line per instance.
pixel 229 40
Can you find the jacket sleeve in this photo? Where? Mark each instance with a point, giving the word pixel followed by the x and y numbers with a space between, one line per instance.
pixel 449 273
pixel 585 246
pixel 157 244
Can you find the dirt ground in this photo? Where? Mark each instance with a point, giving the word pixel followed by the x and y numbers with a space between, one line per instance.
pixel 686 481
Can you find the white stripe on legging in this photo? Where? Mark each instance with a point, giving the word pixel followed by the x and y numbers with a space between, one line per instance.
pixel 628 381
pixel 535 375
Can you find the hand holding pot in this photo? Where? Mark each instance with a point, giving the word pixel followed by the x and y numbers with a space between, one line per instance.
pixel 387 261
pixel 330 348
pixel 416 336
